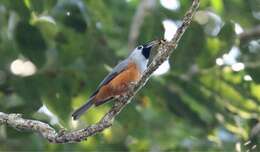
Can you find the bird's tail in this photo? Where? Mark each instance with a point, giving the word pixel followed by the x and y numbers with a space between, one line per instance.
pixel 82 109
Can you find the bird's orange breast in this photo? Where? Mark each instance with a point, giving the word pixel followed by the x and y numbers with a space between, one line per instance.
pixel 119 84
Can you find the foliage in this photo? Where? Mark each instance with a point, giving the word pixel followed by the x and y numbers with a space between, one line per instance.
pixel 54 53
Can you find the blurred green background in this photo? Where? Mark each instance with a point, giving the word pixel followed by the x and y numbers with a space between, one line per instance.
pixel 53 53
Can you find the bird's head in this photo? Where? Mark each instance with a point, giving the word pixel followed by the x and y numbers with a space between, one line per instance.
pixel 143 52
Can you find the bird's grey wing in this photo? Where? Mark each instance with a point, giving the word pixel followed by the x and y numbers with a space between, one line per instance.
pixel 118 69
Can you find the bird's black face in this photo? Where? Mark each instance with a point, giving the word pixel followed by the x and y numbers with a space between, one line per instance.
pixel 146 49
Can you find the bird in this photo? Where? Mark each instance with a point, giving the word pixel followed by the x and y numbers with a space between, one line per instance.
pixel 117 82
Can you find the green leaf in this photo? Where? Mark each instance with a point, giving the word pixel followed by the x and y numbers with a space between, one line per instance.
pixel 189 48
pixel 19 7
pixel 28 90
pixel 227 35
pixel 47 25
pixel 57 95
pixel 217 5
pixel 31 42
pixel 72 14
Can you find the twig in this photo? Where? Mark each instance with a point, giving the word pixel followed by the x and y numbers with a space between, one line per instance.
pixel 142 11
pixel 250 34
pixel 164 51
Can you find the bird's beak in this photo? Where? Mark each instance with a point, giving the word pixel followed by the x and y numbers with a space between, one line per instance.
pixel 148 48
pixel 151 44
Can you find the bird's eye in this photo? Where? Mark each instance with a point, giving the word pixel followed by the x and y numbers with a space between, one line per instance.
pixel 140 47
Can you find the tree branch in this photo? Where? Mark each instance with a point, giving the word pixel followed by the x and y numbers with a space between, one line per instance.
pixel 164 51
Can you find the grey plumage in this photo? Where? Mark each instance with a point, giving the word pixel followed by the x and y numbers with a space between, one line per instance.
pixel 118 69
